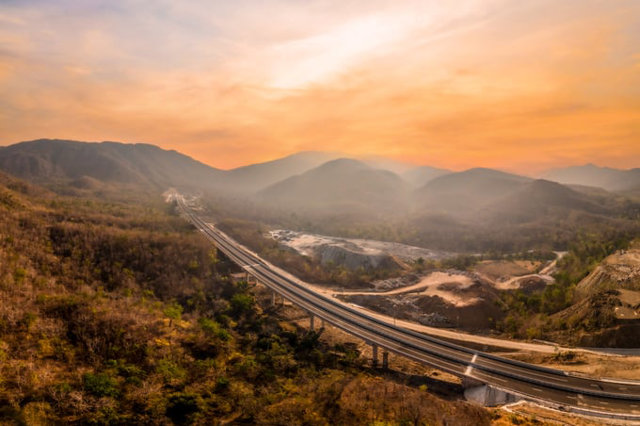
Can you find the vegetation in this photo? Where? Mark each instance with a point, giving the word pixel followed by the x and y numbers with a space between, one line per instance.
pixel 529 315
pixel 119 313
pixel 252 234
pixel 551 230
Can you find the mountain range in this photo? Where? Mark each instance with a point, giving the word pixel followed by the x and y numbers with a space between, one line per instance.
pixel 602 177
pixel 342 184
pixel 48 161
pixel 322 181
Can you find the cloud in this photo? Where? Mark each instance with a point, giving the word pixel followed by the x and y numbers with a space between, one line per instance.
pixel 517 85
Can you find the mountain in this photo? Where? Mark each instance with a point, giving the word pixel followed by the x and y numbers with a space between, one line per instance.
pixel 466 191
pixel 420 176
pixel 340 185
pixel 602 177
pixel 395 166
pixel 91 164
pixel 542 198
pixel 255 177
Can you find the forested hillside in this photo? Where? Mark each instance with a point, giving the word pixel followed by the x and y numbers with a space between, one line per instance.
pixel 117 313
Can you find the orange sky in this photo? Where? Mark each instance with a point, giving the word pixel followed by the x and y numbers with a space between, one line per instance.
pixel 517 85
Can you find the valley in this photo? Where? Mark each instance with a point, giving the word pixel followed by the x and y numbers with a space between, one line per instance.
pixel 318 213
pixel 529 269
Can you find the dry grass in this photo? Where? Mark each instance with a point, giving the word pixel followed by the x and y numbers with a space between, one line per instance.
pixel 503 269
pixel 604 366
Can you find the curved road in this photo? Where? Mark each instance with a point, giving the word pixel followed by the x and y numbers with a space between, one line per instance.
pixel 555 388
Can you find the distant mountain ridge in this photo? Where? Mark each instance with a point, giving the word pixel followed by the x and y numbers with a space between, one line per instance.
pixel 467 190
pixel 318 181
pixel 540 198
pixel 255 177
pixel 340 184
pixel 592 175
pixel 53 160
pixel 420 176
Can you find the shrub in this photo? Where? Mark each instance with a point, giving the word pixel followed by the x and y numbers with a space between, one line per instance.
pixel 212 328
pixel 173 312
pixel 100 385
pixel 171 371
pixel 241 302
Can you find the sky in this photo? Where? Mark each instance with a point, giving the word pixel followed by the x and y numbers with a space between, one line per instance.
pixel 523 85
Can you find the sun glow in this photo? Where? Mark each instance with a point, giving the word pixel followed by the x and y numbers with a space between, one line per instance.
pixel 482 83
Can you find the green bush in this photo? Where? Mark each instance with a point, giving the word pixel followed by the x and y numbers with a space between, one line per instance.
pixel 171 371
pixel 100 385
pixel 212 328
pixel 173 311
pixel 241 302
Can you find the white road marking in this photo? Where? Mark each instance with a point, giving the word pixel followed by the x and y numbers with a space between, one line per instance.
pixel 470 367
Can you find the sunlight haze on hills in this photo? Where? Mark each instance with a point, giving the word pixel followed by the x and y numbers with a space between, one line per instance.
pixel 319 212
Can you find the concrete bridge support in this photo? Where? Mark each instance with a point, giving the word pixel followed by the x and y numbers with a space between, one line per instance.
pixel 273 298
pixel 312 322
pixel 374 355
pixel 486 395
pixel 385 360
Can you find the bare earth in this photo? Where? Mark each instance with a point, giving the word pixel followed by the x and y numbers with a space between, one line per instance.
pixel 306 244
pixel 434 284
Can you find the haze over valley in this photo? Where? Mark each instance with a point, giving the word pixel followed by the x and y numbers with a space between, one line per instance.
pixel 375 225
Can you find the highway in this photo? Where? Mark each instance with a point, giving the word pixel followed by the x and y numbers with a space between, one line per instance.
pixel 554 388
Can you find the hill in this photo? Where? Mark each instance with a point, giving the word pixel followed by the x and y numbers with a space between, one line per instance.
pixel 619 271
pixel 463 192
pixel 255 177
pixel 121 313
pixel 340 185
pixel 420 176
pixel 606 303
pixel 377 162
pixel 602 177
pixel 542 199
pixel 88 164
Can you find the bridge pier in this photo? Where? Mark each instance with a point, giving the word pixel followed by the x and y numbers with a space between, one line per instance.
pixel 483 394
pixel 311 322
pixel 385 359
pixel 374 355
pixel 273 298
